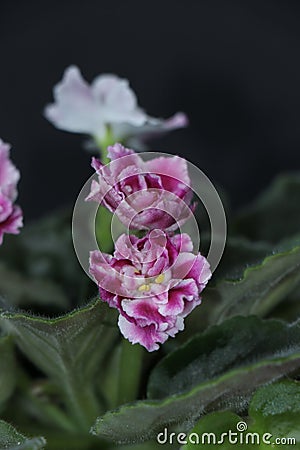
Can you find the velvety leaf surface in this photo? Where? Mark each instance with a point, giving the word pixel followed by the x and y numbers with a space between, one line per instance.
pixel 265 283
pixel 234 344
pixel 11 439
pixel 7 369
pixel 275 215
pixel 68 349
pixel 71 339
pixel 276 409
pixel 207 433
pixel 215 369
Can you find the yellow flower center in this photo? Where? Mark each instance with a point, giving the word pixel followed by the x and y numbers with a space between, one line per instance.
pixel 158 280
pixel 144 287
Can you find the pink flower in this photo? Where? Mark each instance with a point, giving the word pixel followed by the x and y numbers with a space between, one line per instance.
pixel 154 282
pixel 107 102
pixel 10 215
pixel 144 195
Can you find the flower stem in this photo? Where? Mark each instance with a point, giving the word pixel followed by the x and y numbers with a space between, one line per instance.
pixel 130 371
pixel 106 141
pixel 103 229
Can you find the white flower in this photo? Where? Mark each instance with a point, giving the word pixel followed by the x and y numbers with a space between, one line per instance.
pixel 107 104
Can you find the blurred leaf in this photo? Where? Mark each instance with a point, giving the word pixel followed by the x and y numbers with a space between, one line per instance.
pixel 219 368
pixel 275 215
pixel 44 251
pixel 109 382
pixel 69 349
pixel 72 441
pixel 19 290
pixel 11 439
pixel 7 369
pixel 260 289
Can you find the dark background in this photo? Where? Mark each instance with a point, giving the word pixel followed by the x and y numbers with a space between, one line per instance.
pixel 232 66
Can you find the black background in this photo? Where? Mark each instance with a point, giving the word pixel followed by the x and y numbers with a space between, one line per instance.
pixel 232 66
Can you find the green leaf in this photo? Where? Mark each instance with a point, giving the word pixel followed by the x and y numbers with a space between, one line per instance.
pixel 215 352
pixel 276 408
pixel 289 309
pixel 7 369
pixel 20 290
pixel 275 215
pixel 207 433
pixel 260 289
pixel 68 349
pixel 145 446
pixel 219 368
pixel 11 439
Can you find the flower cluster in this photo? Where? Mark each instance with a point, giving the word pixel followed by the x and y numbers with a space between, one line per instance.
pixel 11 219
pixel 106 107
pixel 153 281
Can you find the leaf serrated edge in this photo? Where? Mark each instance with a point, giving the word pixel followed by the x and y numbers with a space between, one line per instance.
pixel 253 268
pixel 96 429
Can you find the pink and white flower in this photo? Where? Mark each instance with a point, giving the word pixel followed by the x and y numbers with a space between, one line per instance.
pixel 144 194
pixel 154 282
pixel 11 218
pixel 107 102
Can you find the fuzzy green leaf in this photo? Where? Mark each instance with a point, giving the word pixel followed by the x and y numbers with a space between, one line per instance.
pixel 261 287
pixel 219 368
pixel 207 433
pixel 11 439
pixel 215 352
pixel 276 408
pixel 69 349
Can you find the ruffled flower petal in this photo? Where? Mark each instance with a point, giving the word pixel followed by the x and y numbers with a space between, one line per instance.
pixel 152 283
pixel 152 128
pixel 11 218
pixel 75 108
pixel 144 195
pixel 9 175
